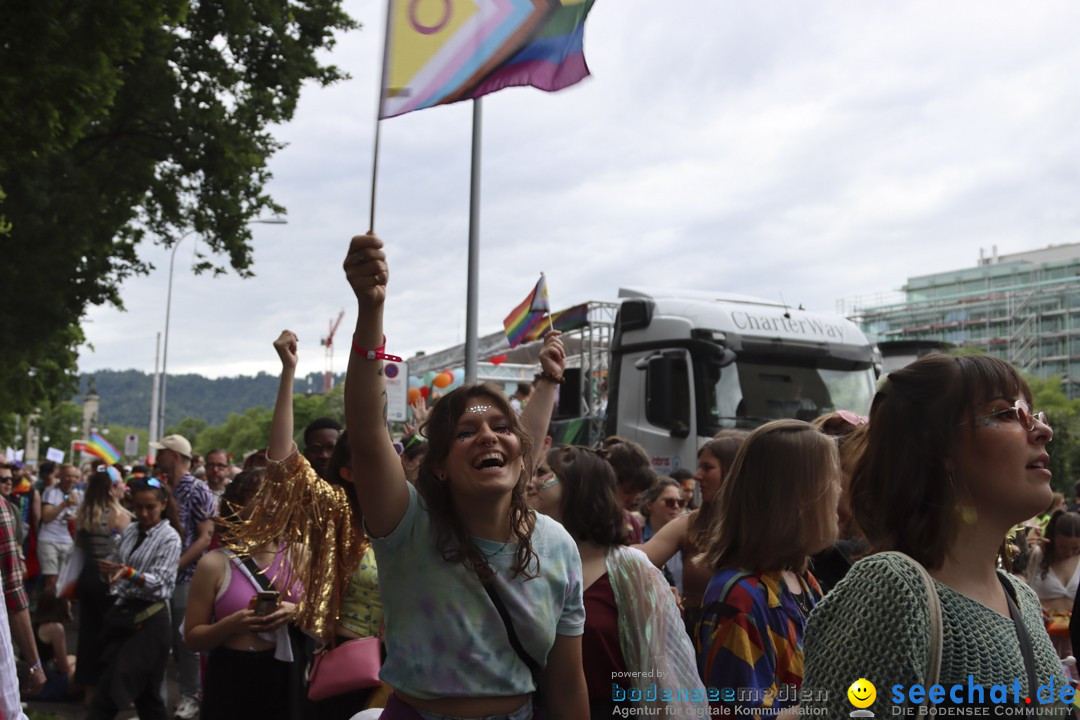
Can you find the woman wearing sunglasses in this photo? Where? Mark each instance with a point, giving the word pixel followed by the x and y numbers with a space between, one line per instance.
pixel 633 632
pixel 686 535
pixel 661 504
pixel 955 458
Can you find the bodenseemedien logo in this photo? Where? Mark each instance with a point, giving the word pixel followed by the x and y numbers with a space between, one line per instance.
pixel 862 695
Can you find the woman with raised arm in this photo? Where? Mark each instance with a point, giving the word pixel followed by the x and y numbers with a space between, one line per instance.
pixel 687 533
pixel 328 553
pixel 248 670
pixel 483 596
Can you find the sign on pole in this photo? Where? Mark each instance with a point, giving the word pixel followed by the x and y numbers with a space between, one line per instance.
pixel 54 455
pixel 397 391
pixel 131 445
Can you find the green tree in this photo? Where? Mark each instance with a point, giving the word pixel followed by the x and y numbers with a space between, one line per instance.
pixel 132 120
pixel 190 428
pixel 243 432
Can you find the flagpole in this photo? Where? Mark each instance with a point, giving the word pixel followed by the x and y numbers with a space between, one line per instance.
pixel 374 176
pixel 551 323
pixel 378 116
pixel 472 344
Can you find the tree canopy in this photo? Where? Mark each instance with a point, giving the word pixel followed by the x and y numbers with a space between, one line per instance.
pixel 130 121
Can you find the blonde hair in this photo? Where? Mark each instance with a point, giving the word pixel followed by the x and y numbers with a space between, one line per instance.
pixel 773 499
pixel 97 503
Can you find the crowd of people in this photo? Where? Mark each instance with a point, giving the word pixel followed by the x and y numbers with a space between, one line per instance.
pixel 472 570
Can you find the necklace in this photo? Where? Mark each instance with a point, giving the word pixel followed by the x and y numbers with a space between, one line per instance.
pixel 802 601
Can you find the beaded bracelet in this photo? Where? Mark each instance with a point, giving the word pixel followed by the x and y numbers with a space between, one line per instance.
pixel 376 354
pixel 550 377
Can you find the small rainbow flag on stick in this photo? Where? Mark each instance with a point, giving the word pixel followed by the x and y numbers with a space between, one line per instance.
pixel 100 447
pixel 527 317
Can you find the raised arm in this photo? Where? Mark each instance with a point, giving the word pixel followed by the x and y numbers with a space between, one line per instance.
pixel 281 427
pixel 377 473
pixel 667 541
pixel 537 414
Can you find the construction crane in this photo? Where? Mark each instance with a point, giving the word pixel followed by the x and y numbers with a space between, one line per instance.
pixel 328 343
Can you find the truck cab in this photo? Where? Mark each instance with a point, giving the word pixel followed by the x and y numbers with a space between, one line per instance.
pixel 686 364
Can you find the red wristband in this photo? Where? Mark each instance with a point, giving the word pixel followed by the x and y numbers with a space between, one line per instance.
pixel 376 354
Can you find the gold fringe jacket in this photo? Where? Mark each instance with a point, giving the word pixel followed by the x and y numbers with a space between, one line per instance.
pixel 323 544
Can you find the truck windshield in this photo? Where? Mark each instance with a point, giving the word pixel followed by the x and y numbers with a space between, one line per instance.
pixel 750 392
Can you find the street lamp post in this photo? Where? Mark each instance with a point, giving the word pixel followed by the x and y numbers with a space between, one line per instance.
pixel 168 312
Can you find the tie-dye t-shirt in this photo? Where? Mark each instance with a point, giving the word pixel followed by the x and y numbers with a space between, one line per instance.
pixel 444 637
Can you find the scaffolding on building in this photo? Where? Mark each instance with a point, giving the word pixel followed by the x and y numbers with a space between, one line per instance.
pixel 1025 317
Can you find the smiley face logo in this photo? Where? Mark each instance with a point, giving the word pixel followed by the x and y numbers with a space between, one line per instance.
pixel 862 693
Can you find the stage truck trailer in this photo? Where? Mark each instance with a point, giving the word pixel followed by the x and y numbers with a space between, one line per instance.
pixel 669 368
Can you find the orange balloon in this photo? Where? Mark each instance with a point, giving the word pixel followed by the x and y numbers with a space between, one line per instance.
pixel 443 379
pixel 414 395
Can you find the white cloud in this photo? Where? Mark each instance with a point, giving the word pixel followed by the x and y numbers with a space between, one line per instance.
pixel 820 150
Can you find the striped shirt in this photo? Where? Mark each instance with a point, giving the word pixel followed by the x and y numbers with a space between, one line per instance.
pixel 196 505
pixel 156 558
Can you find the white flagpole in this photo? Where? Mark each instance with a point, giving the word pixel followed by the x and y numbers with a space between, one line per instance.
pixel 472 313
pixel 378 113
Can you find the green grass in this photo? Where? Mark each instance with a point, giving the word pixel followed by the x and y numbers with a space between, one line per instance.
pixel 33 715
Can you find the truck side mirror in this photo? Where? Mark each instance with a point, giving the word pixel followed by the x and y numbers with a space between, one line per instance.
pixel 667 393
pixel 725 358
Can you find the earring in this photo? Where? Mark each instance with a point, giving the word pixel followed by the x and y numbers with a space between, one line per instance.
pixel 968 514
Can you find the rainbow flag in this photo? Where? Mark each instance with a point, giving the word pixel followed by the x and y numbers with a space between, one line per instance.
pixel 100 447
pixel 443 52
pixel 554 59
pixel 528 317
pixel 563 321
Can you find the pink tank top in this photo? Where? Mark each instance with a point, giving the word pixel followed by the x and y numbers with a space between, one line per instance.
pixel 239 591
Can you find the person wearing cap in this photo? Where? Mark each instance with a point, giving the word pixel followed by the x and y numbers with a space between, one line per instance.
pixel 196 506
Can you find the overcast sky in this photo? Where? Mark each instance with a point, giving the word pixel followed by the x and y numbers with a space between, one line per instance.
pixel 822 150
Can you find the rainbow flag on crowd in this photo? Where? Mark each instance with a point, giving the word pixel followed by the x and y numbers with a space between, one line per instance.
pixel 528 317
pixel 440 53
pixel 101 448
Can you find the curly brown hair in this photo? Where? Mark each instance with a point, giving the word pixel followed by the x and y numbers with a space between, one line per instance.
pixel 452 538
pixel 902 493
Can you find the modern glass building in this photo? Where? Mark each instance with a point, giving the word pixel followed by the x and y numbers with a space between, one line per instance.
pixel 1024 308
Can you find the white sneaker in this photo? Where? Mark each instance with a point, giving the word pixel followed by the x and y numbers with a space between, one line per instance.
pixel 188 709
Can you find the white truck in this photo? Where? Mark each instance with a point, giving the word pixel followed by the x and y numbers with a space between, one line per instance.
pixel 669 368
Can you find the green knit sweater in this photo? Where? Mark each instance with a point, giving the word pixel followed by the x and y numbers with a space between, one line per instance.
pixel 875 624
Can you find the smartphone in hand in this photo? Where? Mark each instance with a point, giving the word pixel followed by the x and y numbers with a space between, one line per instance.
pixel 266 602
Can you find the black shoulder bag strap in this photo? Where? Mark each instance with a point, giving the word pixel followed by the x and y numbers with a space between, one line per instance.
pixel 515 643
pixel 1022 635
pixel 253 571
